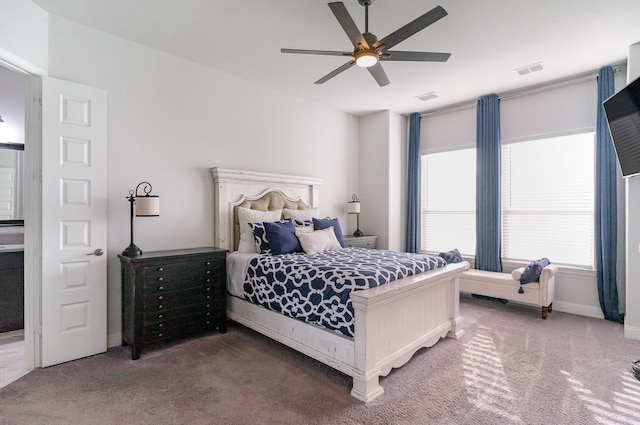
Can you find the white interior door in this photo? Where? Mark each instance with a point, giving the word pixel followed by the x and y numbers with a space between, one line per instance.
pixel 74 221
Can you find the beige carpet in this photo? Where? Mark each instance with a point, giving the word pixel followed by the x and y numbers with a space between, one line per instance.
pixel 510 367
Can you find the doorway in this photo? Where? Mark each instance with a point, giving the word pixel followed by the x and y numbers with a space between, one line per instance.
pixel 13 361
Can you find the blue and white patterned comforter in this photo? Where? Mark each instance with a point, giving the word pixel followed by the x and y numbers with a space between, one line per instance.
pixel 316 288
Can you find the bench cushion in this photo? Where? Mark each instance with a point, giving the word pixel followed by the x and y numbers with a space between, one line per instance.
pixel 506 279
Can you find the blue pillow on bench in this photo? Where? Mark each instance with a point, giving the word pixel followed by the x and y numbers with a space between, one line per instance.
pixel 452 256
pixel 533 271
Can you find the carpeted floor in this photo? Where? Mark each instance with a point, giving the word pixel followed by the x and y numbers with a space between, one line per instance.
pixel 510 367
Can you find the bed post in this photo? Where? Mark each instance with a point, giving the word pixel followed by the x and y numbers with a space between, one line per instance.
pixel 455 331
pixel 365 375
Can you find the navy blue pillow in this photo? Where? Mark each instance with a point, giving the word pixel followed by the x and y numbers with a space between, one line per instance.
pixel 302 223
pixel 324 223
pixel 260 236
pixel 282 237
pixel 452 256
pixel 533 271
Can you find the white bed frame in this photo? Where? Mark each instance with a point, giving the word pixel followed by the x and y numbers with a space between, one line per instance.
pixel 392 321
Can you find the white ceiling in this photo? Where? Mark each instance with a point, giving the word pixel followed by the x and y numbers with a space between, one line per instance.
pixel 488 39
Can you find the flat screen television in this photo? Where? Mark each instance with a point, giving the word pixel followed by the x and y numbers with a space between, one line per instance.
pixel 623 115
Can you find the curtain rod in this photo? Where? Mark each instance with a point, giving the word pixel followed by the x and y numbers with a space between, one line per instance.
pixel 525 91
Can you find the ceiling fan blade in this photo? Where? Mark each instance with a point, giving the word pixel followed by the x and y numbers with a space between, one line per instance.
pixel 348 25
pixel 411 28
pixel 317 52
pixel 378 73
pixel 415 56
pixel 335 72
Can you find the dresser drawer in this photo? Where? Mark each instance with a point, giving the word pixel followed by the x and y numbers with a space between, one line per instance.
pixel 193 271
pixel 170 300
pixel 178 283
pixel 361 241
pixel 178 328
pixel 207 309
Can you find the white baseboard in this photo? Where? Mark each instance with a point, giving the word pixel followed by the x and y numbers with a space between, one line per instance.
pixel 114 340
pixel 579 309
pixel 631 332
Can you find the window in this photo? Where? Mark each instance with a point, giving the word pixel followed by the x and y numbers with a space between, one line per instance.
pixel 547 200
pixel 448 198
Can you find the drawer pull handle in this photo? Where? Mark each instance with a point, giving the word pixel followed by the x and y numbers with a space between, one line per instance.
pixel 160 269
pixel 160 288
pixel 208 305
pixel 208 313
pixel 160 279
pixel 208 322
pixel 208 297
pixel 160 316
pixel 208 288
pixel 160 335
pixel 208 280
pixel 208 271
pixel 160 307
pixel 160 297
pixel 208 263
pixel 160 325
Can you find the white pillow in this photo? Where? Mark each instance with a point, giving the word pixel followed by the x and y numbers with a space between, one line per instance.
pixel 302 215
pixel 245 216
pixel 319 241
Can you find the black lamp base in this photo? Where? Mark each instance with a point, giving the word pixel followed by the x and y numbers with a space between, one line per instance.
pixel 358 233
pixel 132 251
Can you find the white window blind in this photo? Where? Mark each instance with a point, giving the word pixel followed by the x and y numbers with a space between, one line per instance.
pixel 547 199
pixel 448 201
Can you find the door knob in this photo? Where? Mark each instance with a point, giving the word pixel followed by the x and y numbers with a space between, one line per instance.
pixel 97 252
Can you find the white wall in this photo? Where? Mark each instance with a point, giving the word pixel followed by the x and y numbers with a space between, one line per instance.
pixel 12 107
pixel 374 176
pixel 397 181
pixel 23 35
pixel 632 318
pixel 170 121
pixel 382 165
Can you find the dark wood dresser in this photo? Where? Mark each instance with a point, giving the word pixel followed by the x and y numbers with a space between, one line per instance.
pixel 172 294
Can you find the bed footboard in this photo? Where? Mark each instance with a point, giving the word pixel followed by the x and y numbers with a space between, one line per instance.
pixel 395 320
pixel 392 322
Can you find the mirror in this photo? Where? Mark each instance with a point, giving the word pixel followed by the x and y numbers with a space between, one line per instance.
pixel 11 184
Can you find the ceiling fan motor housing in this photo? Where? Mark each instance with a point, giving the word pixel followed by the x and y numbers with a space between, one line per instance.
pixel 366 3
pixel 370 39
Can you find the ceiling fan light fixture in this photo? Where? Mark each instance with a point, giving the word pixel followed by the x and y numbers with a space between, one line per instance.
pixel 366 58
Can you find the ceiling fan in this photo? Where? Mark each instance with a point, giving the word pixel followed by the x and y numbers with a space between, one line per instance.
pixel 368 51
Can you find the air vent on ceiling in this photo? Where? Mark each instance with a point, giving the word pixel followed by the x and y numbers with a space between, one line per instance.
pixel 534 67
pixel 427 96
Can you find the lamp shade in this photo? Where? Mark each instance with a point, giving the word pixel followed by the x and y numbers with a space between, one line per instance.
pixel 353 207
pixel 147 206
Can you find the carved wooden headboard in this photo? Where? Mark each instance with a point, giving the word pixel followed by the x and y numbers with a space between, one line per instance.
pixel 254 190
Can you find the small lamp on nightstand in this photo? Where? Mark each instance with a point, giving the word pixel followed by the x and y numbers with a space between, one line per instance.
pixel 147 205
pixel 353 207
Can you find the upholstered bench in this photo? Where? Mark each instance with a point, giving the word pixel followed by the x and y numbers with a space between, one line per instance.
pixel 506 286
